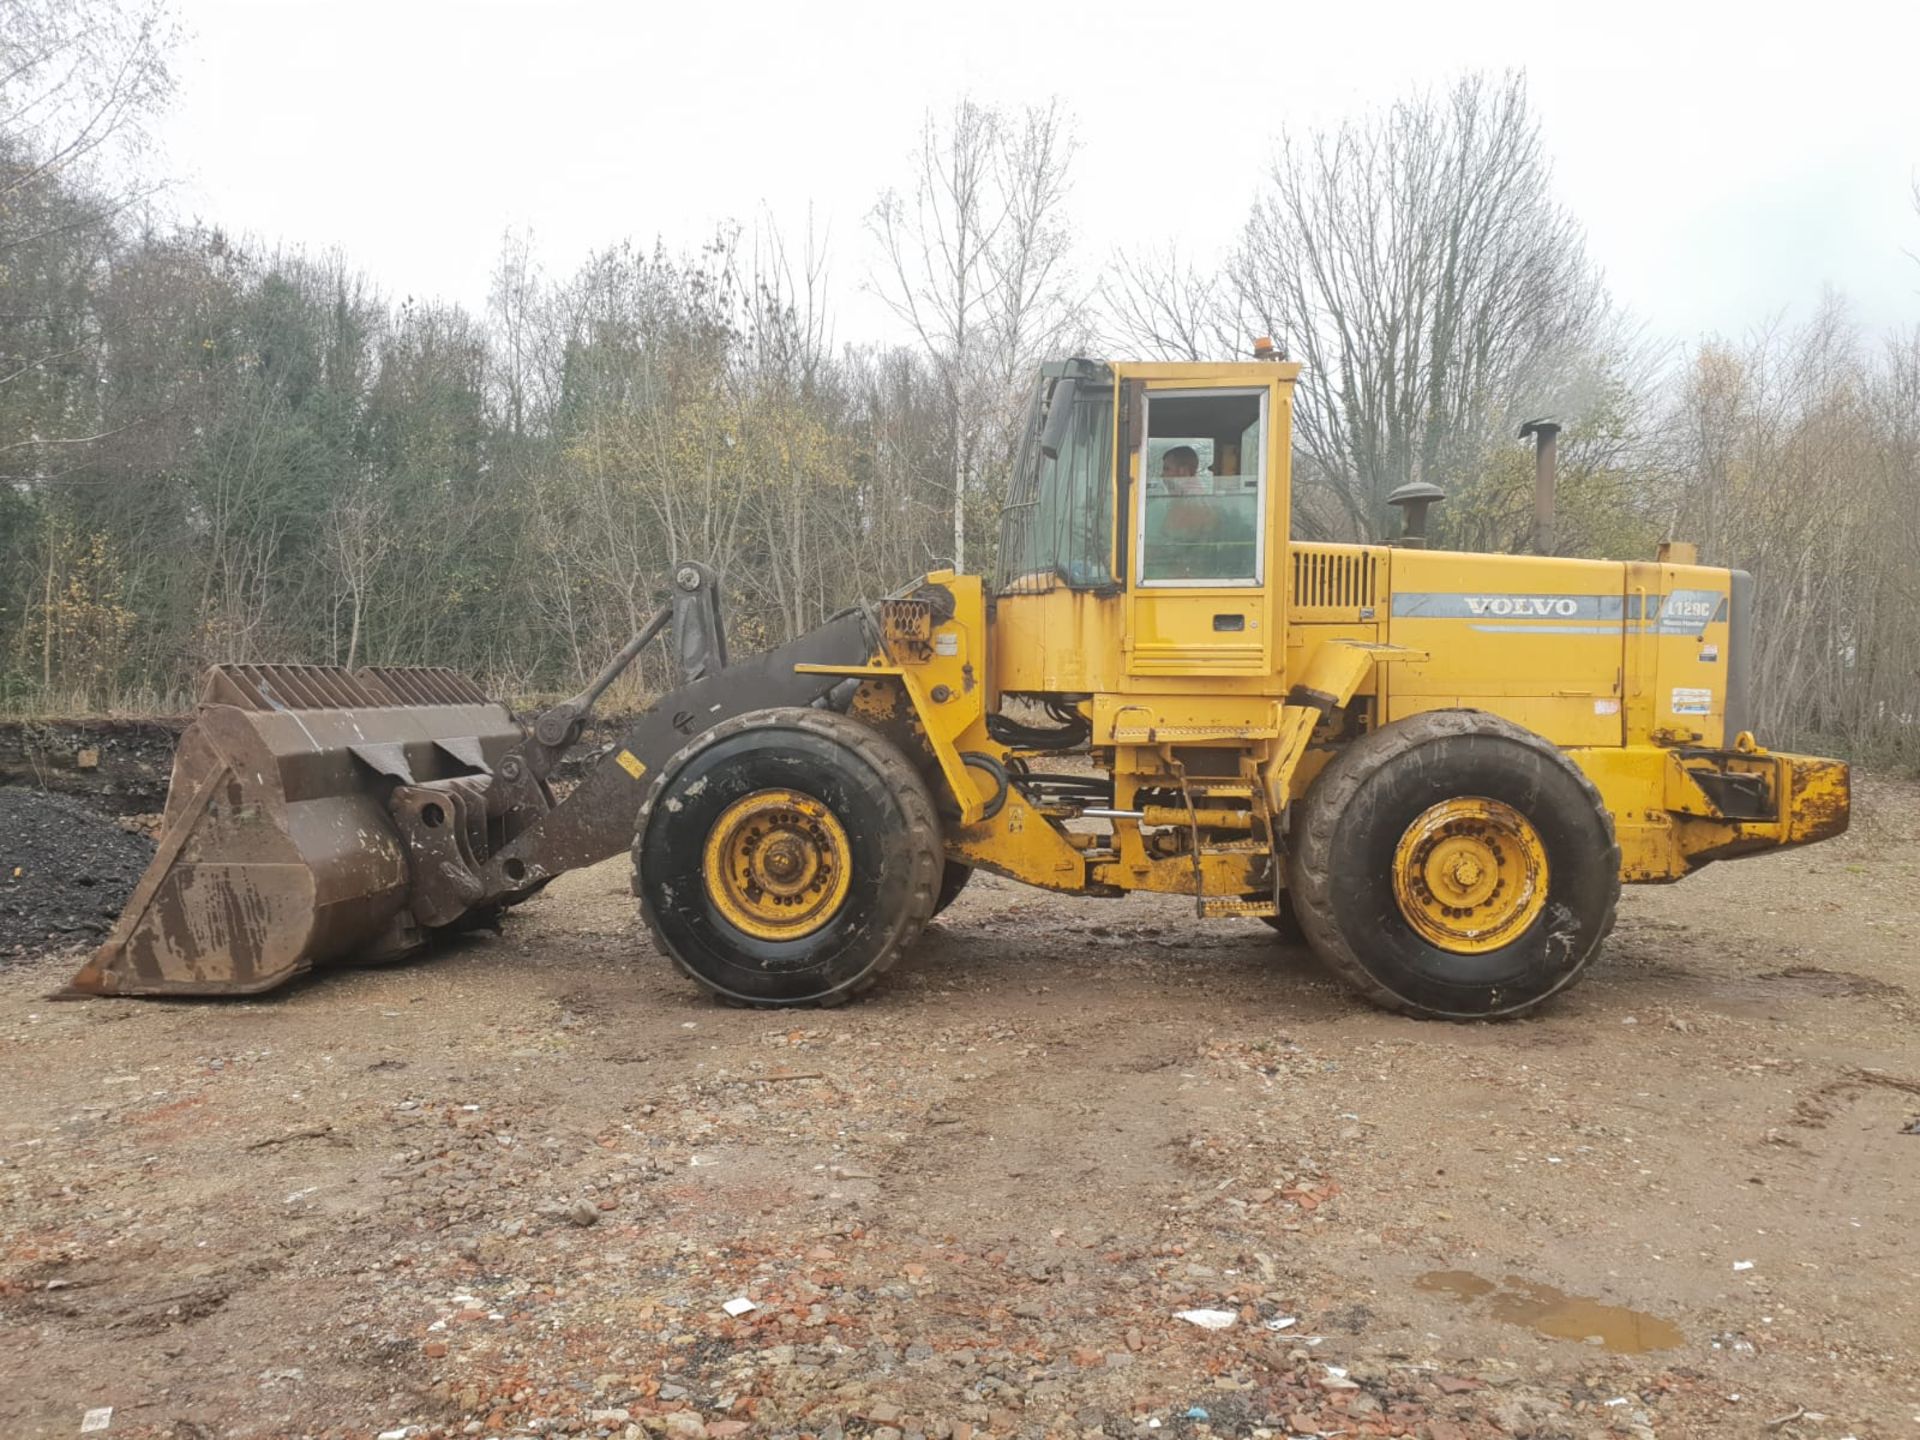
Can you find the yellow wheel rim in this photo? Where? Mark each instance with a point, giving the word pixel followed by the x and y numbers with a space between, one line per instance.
pixel 1470 875
pixel 777 864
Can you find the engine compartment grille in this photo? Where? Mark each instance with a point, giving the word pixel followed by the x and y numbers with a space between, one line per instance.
pixel 1334 582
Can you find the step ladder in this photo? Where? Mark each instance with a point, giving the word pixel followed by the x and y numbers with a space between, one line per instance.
pixel 1261 842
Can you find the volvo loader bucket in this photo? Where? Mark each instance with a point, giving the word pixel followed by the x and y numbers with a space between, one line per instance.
pixel 280 848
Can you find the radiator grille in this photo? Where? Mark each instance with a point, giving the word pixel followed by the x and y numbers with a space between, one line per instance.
pixel 1334 581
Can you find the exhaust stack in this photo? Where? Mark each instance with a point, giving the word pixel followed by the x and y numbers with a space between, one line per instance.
pixel 1546 449
pixel 1413 500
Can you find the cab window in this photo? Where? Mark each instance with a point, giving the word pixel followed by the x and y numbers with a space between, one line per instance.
pixel 1203 501
pixel 1057 524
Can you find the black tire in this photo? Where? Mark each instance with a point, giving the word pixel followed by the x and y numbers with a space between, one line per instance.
pixel 1286 925
pixel 1340 866
pixel 892 833
pixel 952 881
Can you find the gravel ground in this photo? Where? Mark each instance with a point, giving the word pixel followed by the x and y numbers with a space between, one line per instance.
pixel 65 870
pixel 510 1190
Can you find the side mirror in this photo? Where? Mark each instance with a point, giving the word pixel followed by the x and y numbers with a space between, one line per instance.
pixel 1059 416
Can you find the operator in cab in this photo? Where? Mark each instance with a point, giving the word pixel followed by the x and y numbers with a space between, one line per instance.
pixel 1189 522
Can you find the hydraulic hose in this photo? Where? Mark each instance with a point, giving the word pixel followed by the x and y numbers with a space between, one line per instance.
pixel 978 760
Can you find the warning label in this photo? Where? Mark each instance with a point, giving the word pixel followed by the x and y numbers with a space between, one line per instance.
pixel 1689 701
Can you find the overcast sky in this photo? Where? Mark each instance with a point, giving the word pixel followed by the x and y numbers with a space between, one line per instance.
pixel 1727 160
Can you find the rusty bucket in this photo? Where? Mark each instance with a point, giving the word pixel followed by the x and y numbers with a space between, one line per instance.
pixel 278 851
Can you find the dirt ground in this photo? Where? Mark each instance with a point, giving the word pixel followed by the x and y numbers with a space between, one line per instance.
pixel 509 1190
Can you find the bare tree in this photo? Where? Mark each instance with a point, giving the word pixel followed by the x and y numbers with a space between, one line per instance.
pixel 78 81
pixel 1159 305
pixel 1418 264
pixel 936 249
pixel 359 535
pixel 1034 311
pixel 976 264
pixel 1912 254
pixel 511 301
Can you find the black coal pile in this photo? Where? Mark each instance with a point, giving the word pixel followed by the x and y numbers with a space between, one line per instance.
pixel 65 871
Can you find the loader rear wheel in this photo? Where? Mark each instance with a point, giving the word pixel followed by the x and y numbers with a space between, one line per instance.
pixel 1454 866
pixel 787 857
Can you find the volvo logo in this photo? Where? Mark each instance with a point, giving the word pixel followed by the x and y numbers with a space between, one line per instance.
pixel 1540 605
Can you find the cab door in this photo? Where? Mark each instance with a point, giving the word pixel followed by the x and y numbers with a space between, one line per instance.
pixel 1204 503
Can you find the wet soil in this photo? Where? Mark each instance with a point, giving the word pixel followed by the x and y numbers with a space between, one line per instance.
pixel 509 1190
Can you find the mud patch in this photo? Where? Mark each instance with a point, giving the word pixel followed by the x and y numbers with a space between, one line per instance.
pixel 105 1297
pixel 1824 1102
pixel 1556 1314
pixel 1833 984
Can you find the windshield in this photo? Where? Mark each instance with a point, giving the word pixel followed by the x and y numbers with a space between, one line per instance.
pixel 1057 527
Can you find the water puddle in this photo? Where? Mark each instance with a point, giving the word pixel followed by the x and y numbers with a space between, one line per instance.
pixel 1553 1313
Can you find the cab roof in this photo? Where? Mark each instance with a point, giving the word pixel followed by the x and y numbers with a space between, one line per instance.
pixel 1222 372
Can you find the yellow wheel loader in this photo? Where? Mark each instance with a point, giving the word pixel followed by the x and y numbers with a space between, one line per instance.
pixel 1439 767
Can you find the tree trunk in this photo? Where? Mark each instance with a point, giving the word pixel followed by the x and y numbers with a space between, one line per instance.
pixel 959 505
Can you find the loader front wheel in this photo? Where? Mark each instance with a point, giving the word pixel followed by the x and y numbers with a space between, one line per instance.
pixel 952 882
pixel 787 857
pixel 1454 866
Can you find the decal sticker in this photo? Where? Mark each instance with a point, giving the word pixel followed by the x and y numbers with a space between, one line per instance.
pixel 1524 614
pixel 631 763
pixel 1606 705
pixel 1684 612
pixel 946 643
pixel 1690 701
pixel 1437 605
pixel 1688 612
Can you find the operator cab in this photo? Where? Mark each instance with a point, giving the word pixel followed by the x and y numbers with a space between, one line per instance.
pixel 1204 503
pixel 1164 486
